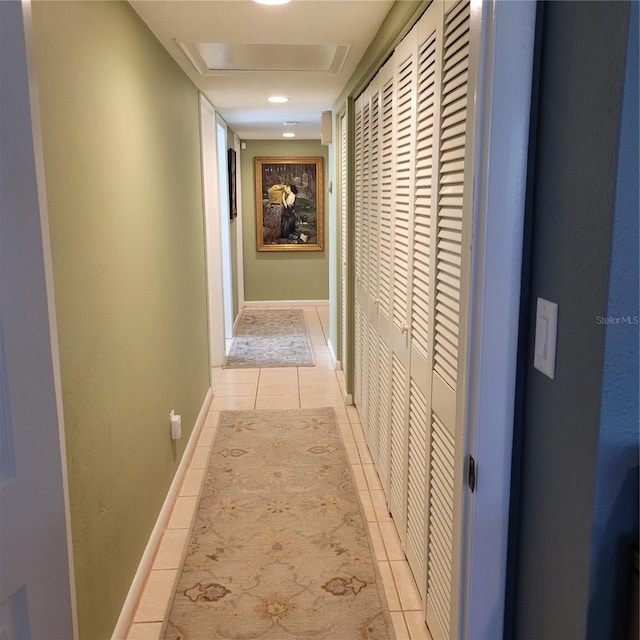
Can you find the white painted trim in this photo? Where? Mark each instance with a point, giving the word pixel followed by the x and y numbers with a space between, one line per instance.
pixel 238 223
pixel 146 562
pixel 502 136
pixel 38 152
pixel 212 227
pixel 336 363
pixel 348 400
pixel 286 303
pixel 222 145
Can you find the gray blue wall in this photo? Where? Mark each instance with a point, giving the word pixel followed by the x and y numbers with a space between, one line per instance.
pixel 574 433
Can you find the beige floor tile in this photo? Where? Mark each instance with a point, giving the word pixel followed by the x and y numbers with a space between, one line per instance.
pixel 277 388
pixel 233 403
pixel 236 389
pixel 192 482
pixel 324 366
pixel 389 586
pixel 211 421
pixel 288 375
pixel 417 626
pixel 200 458
pixel 157 594
pixel 310 375
pixel 407 590
pixel 352 453
pixel 380 505
pixel 372 477
pixel 277 402
pixel 328 400
pixel 365 454
pixel 230 376
pixel 183 512
pixel 358 431
pixel 341 414
pixel 360 480
pixel 145 631
pixel 376 542
pixel 171 549
pixel 391 540
pixel 206 437
pixel 399 626
pixel 347 434
pixel 367 506
pixel 320 388
pixel 353 414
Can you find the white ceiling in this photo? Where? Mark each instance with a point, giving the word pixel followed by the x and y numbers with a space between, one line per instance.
pixel 305 50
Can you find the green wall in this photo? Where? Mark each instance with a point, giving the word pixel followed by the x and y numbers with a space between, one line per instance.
pixel 278 275
pixel 120 126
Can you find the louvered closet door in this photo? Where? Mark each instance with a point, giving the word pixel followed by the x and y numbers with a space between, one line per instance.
pixel 344 242
pixel 402 207
pixel 429 61
pixel 357 250
pixel 364 250
pixel 452 230
pixel 373 252
pixel 383 86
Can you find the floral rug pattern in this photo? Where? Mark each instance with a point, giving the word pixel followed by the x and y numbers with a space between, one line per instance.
pixel 279 549
pixel 270 338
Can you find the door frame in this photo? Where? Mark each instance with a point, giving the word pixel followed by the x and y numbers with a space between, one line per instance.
pixel 503 41
pixel 37 266
pixel 213 233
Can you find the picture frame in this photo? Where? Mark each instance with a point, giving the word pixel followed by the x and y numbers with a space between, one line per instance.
pixel 289 203
pixel 231 172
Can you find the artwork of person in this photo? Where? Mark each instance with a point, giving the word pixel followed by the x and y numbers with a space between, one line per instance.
pixel 282 194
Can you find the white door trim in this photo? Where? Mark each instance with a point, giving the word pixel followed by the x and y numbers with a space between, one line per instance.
pixel 238 223
pixel 505 43
pixel 213 239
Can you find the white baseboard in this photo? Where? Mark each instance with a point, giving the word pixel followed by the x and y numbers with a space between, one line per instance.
pixel 286 303
pixel 135 591
pixel 336 363
pixel 348 400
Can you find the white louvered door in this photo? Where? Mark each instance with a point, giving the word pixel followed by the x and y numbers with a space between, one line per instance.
pixel 384 88
pixel 411 138
pixel 402 206
pixel 357 251
pixel 429 62
pixel 344 243
pixel 373 405
pixel 452 230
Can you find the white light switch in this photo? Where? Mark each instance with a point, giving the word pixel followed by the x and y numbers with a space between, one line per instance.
pixel 544 356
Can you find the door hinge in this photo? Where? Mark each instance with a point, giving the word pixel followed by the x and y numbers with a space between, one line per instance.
pixel 471 478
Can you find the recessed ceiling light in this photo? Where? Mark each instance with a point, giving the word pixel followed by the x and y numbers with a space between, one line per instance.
pixel 288 134
pixel 278 99
pixel 272 1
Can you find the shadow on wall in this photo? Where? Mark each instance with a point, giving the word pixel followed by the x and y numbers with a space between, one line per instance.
pixel 612 581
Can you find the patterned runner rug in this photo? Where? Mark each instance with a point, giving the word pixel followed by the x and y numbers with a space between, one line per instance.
pixel 279 548
pixel 270 338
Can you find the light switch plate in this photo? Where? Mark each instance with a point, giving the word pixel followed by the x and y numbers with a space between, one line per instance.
pixel 544 356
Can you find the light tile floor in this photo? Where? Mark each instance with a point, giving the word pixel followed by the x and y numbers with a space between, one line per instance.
pixel 303 387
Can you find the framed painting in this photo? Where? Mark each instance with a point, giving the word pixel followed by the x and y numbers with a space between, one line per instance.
pixel 289 212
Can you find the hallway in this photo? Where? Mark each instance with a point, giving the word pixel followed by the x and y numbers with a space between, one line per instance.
pixel 286 388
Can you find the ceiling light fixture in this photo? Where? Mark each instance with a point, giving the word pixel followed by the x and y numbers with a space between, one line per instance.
pixel 288 134
pixel 272 2
pixel 278 99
